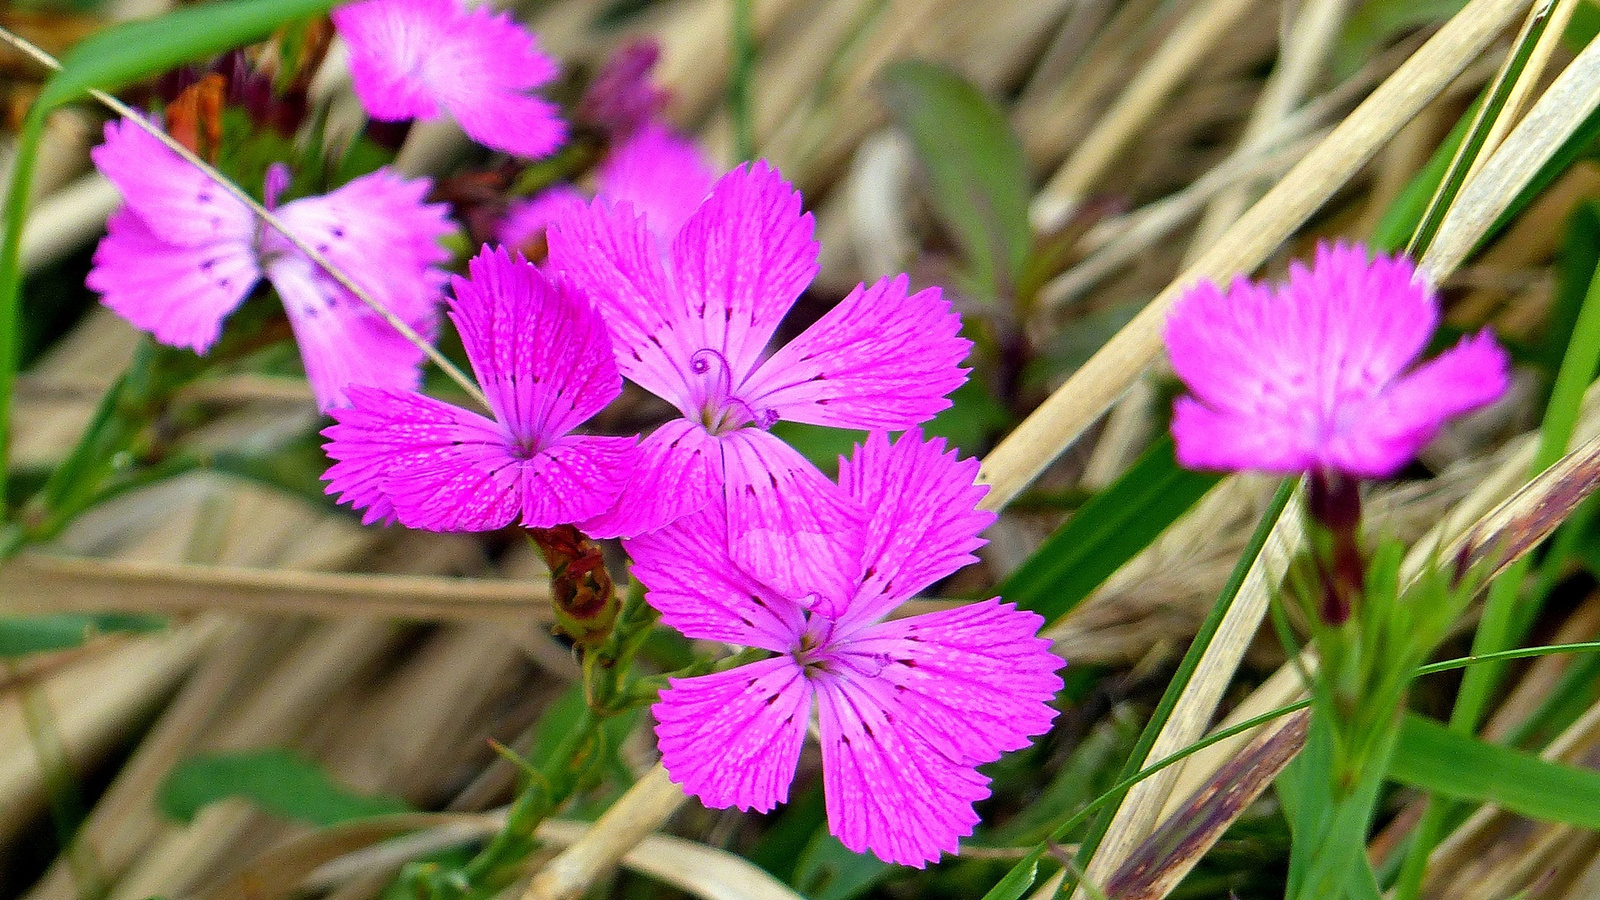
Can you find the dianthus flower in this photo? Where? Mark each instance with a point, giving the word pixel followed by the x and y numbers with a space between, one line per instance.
pixel 543 357
pixel 182 253
pixel 907 709
pixel 1316 373
pixel 690 318
pixel 623 98
pixel 663 175
pixel 413 59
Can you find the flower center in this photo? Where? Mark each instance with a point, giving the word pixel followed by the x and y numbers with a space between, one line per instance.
pixel 720 410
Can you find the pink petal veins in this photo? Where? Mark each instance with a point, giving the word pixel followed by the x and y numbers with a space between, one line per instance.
pixel 342 342
pixel 741 261
pixel 390 42
pixel 887 789
pixel 180 294
pixel 1401 421
pixel 923 518
pixel 975 681
pixel 613 257
pixel 573 478
pixel 429 463
pixel 879 359
pixel 790 527
pixel 539 349
pixel 410 57
pixel 663 175
pixel 379 232
pixel 675 471
pixel 692 580
pixel 733 738
pixel 179 203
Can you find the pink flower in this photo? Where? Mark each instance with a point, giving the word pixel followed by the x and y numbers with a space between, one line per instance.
pixel 410 58
pixel 622 98
pixel 544 359
pixel 663 175
pixel 1317 372
pixel 907 709
pixel 691 318
pixel 182 253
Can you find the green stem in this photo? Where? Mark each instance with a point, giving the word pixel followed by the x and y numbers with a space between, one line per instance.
pixel 16 214
pixel 1482 125
pixel 1180 679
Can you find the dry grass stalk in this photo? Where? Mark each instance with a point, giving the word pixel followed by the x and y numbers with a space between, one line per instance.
pixel 1548 125
pixel 1202 27
pixel 1310 36
pixel 644 808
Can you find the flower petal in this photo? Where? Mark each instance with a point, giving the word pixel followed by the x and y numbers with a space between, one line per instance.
pixel 1382 438
pixel 377 231
pixel 525 222
pixel 887 789
pixel 923 518
pixel 179 203
pixel 742 260
pixel 390 42
pixel 661 174
pixel 434 465
pixel 409 57
pixel 573 478
pixel 975 681
pixel 691 579
pixel 482 72
pixel 539 349
pixel 734 738
pixel 342 342
pixel 674 473
pixel 789 526
pixel 614 258
pixel 1227 441
pixel 178 293
pixel 879 359
pixel 1368 318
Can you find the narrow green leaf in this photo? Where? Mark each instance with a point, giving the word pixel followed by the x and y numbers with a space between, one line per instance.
pixel 1435 759
pixel 1019 879
pixel 117 56
pixel 1106 532
pixel 975 166
pixel 22 635
pixel 276 780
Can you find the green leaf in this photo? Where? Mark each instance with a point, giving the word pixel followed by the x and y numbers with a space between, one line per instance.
pixel 123 54
pixel 276 780
pixel 974 164
pixel 828 870
pixel 22 635
pixel 1435 759
pixel 1019 879
pixel 1106 532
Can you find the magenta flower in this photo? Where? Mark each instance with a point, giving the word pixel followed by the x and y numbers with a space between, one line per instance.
pixel 907 709
pixel 691 318
pixel 623 98
pixel 543 358
pixel 663 175
pixel 182 253
pixel 413 59
pixel 1317 372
